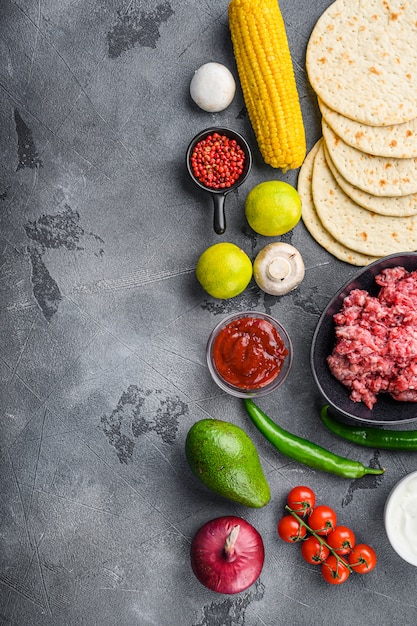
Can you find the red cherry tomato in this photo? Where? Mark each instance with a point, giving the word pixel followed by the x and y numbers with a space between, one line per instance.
pixel 341 539
pixel 362 559
pixel 301 500
pixel 335 571
pixel 290 529
pixel 323 519
pixel 313 551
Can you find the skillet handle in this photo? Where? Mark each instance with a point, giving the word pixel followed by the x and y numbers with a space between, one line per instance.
pixel 219 221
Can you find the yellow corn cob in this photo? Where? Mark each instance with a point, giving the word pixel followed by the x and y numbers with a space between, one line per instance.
pixel 267 79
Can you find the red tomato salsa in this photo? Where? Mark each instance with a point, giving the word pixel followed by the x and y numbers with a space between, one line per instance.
pixel 249 353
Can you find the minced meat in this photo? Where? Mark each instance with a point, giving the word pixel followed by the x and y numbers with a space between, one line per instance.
pixel 376 339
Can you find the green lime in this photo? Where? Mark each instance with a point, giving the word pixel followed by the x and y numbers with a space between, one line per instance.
pixel 224 270
pixel 273 208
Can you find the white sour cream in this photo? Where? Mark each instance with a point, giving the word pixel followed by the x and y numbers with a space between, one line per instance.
pixel 400 518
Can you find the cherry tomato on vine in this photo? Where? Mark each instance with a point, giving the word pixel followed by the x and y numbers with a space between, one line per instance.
pixel 362 559
pixel 301 499
pixel 290 529
pixel 323 519
pixel 335 571
pixel 313 551
pixel 341 539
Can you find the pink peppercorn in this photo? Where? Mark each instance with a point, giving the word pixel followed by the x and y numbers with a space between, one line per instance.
pixel 217 161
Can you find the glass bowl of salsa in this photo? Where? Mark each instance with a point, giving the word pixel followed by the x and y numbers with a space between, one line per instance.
pixel 249 354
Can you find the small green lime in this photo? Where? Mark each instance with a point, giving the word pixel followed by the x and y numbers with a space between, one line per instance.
pixel 224 270
pixel 273 208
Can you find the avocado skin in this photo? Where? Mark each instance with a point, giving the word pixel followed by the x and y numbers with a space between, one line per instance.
pixel 224 458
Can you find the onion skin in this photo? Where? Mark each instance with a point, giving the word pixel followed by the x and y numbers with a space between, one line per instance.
pixel 227 554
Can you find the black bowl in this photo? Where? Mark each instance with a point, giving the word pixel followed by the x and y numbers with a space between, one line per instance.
pixel 219 195
pixel 386 410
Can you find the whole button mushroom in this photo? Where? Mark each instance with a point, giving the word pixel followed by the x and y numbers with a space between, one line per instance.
pixel 213 87
pixel 278 268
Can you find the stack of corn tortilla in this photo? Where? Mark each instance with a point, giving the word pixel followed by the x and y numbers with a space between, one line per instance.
pixel 358 184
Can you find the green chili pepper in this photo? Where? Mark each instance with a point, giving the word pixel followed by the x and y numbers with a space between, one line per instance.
pixel 369 436
pixel 305 451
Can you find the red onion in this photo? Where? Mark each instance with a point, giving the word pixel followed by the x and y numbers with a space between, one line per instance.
pixel 227 554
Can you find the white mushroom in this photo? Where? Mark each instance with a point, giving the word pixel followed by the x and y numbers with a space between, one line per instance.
pixel 212 87
pixel 278 268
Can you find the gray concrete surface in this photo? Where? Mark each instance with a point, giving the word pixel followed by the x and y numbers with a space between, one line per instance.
pixel 103 329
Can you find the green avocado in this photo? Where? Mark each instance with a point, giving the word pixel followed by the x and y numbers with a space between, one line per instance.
pixel 225 459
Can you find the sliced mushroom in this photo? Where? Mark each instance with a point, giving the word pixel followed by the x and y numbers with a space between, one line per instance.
pixel 278 268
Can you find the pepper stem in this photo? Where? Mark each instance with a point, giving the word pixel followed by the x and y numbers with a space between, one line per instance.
pixel 229 544
pixel 374 470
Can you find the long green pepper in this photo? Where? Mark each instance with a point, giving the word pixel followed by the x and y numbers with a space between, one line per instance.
pixel 303 450
pixel 369 436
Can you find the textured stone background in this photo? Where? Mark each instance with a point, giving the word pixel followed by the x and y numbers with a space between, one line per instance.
pixel 103 329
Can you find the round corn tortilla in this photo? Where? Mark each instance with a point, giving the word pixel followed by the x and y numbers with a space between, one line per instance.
pixel 396 206
pixel 361 60
pixel 312 221
pixel 379 176
pixel 399 140
pixel 352 225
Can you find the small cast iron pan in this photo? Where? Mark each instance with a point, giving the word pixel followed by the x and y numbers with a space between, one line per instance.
pixel 219 195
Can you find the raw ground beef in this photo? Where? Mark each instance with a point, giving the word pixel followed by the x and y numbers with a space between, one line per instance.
pixel 376 340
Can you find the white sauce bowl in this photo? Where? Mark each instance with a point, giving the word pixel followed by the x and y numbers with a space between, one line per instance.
pixel 400 518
